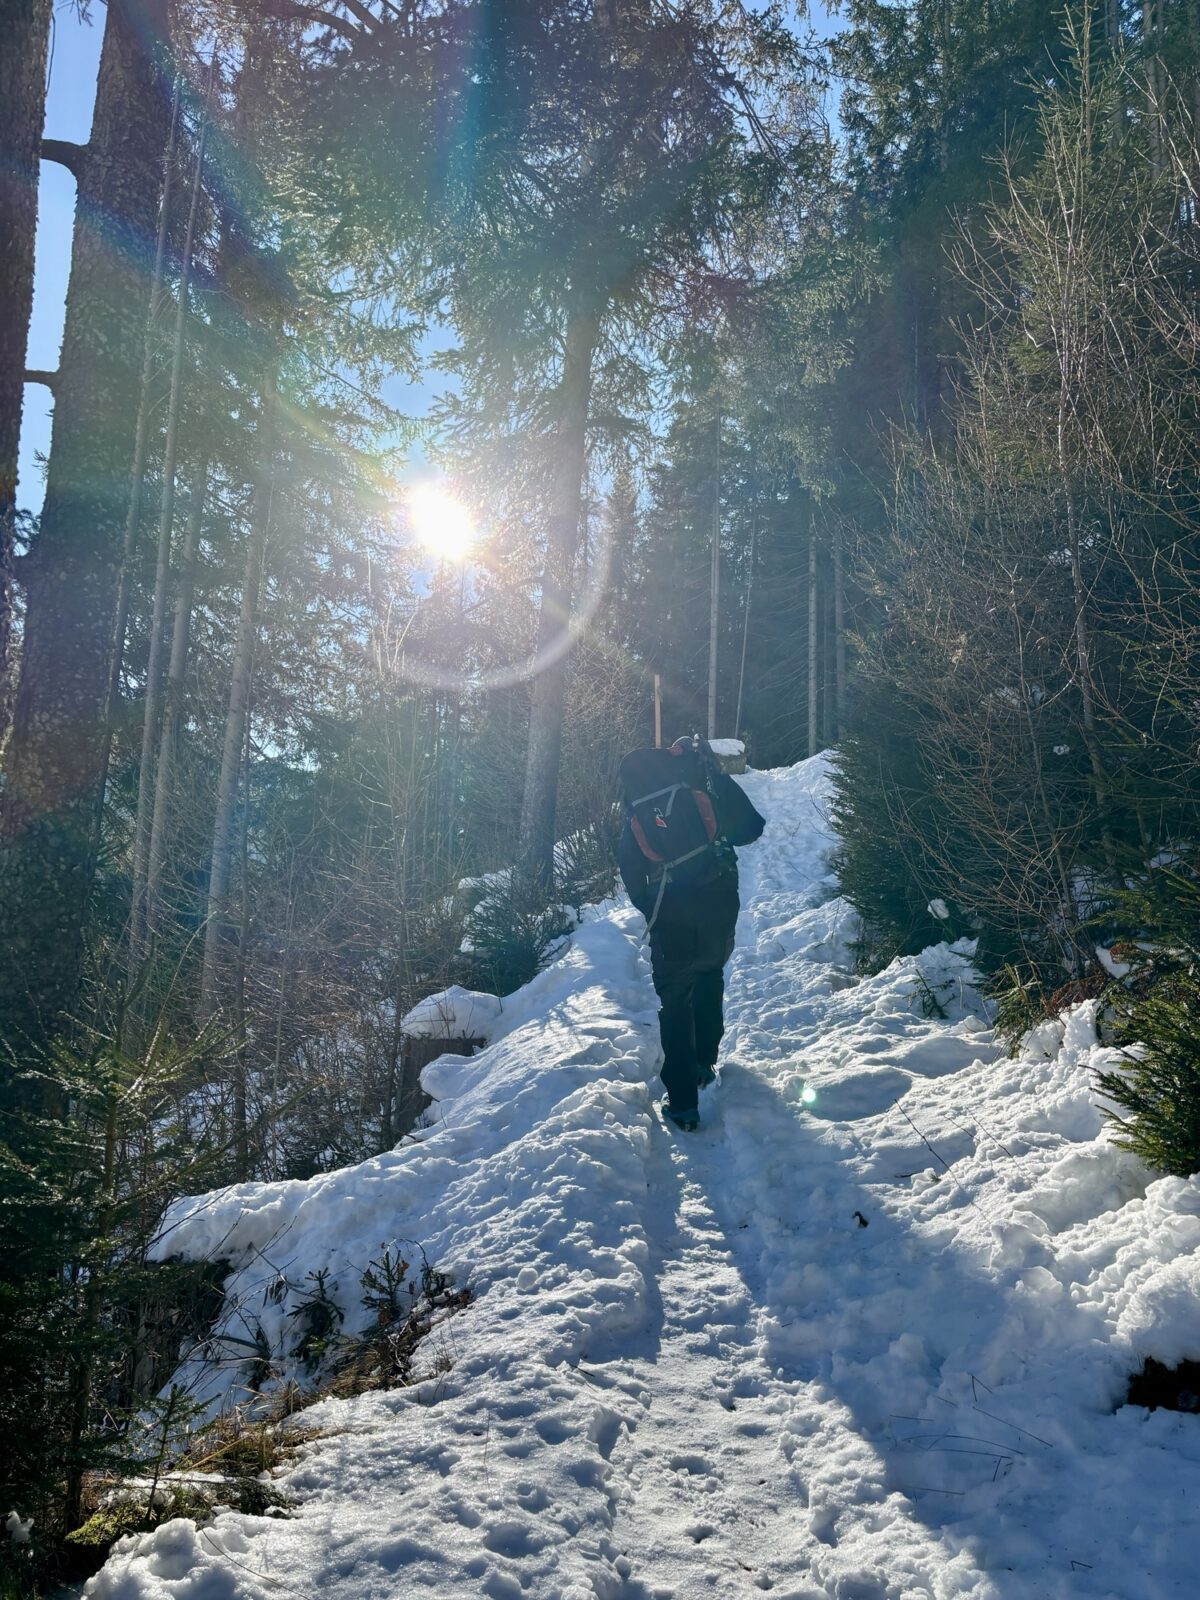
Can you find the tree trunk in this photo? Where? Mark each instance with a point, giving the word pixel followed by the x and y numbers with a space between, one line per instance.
pixel 241 1125
pixel 164 777
pixel 812 635
pixel 141 915
pixel 1153 28
pixel 1070 909
pixel 554 618
pixel 25 27
pixel 737 720
pixel 1087 698
pixel 1081 633
pixel 714 588
pixel 82 1377
pixel 216 928
pixel 52 761
pixel 141 439
pixel 839 632
pixel 1113 40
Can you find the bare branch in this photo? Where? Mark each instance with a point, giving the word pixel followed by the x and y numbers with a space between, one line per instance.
pixel 67 154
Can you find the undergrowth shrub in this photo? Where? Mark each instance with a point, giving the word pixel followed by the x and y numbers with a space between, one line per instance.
pixel 511 935
pixel 1156 1093
pixel 1158 1089
pixel 882 799
pixel 407 1307
pixel 228 1463
pixel 1023 998
pixel 318 1318
pixel 586 861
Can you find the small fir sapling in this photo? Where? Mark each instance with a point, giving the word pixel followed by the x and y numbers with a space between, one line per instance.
pixel 173 1416
pixel 1158 1015
pixel 1159 1086
pixel 319 1318
pixel 512 933
pixel 407 1309
pixel 256 1344
pixel 385 1283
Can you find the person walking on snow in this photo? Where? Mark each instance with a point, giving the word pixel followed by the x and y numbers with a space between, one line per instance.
pixel 683 818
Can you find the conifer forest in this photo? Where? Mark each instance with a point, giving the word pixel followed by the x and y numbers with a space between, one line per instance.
pixel 450 397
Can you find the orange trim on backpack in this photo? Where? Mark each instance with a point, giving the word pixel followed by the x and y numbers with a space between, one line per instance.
pixel 708 816
pixel 643 844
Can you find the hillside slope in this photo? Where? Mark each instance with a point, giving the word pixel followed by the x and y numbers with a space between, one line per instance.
pixel 865 1336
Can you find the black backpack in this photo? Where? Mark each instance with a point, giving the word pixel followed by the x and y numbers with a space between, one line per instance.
pixel 671 816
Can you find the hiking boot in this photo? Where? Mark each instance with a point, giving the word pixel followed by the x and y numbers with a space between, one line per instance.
pixel 704 1076
pixel 687 1119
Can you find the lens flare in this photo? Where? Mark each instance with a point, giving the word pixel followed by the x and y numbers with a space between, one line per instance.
pixel 808 1094
pixel 440 521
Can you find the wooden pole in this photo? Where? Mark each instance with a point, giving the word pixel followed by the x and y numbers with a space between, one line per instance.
pixel 657 712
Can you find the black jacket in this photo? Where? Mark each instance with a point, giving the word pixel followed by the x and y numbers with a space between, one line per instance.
pixel 738 823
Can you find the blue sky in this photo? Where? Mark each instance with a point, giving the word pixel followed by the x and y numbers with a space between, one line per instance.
pixel 74 58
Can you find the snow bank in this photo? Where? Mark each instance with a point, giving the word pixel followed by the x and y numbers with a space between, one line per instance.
pixel 866 1336
pixel 453 1013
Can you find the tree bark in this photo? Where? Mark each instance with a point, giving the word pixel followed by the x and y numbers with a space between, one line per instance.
pixel 216 932
pixel 152 701
pixel 1114 42
pixel 25 27
pixel 52 761
pixel 812 635
pixel 1153 29
pixel 1070 909
pixel 714 588
pixel 241 1062
pixel 540 796
pixel 141 438
pixel 164 777
pixel 737 720
pixel 839 631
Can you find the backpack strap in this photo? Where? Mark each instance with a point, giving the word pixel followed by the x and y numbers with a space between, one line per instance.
pixel 672 789
pixel 665 874
pixel 635 824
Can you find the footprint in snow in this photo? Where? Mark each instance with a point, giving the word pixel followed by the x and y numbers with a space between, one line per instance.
pixel 511 1538
pixel 552 1430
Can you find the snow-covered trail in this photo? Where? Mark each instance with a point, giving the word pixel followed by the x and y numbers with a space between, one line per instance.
pixel 863 1337
pixel 735 1477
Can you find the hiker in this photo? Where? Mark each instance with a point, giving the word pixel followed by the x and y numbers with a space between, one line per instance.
pixel 683 817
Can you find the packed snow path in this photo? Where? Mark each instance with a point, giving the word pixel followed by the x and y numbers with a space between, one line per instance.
pixel 865 1336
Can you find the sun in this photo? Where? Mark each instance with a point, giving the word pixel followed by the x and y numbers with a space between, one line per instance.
pixel 440 521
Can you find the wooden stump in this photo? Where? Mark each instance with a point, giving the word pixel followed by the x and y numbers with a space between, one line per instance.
pixel 415 1055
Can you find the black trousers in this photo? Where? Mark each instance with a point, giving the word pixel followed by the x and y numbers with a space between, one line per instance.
pixel 689 946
